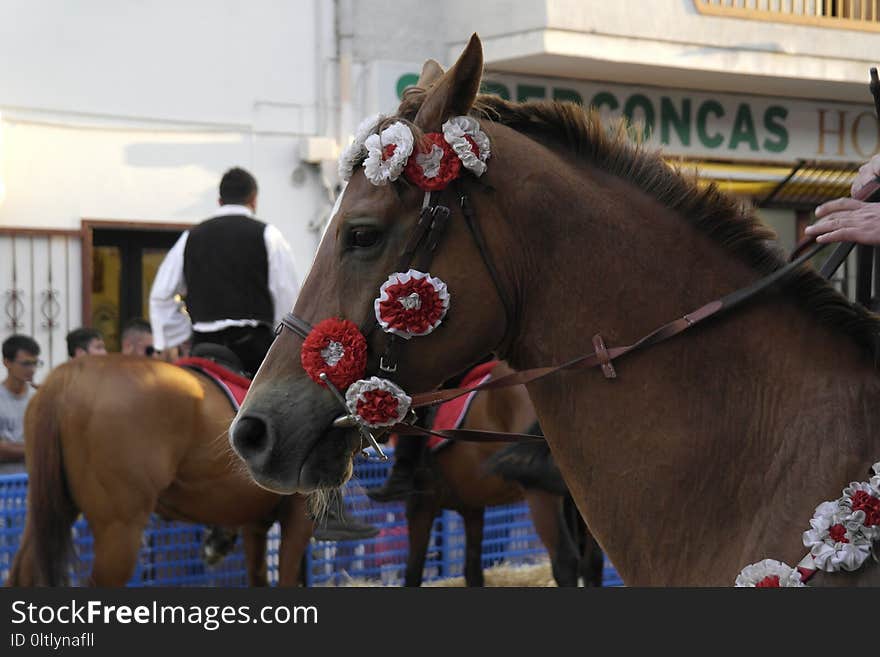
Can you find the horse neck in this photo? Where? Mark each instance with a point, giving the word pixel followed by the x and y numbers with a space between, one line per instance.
pixel 673 463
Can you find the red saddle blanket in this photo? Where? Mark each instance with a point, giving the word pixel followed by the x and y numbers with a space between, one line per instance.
pixel 234 385
pixel 451 414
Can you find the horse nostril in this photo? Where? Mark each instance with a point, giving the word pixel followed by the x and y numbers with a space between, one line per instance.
pixel 250 437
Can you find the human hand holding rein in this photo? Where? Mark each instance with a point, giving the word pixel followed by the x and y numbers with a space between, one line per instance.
pixel 852 219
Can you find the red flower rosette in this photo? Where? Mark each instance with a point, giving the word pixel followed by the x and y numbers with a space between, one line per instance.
pixel 377 402
pixel 335 347
pixel 433 164
pixel 411 304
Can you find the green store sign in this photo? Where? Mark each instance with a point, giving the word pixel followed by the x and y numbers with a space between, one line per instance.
pixel 709 124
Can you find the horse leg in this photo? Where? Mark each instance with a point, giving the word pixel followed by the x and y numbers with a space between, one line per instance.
pixel 254 538
pixel 117 545
pixel 419 520
pixel 592 559
pixel 547 517
pixel 473 560
pixel 296 532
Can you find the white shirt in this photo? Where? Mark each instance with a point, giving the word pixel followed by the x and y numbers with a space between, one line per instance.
pixel 168 317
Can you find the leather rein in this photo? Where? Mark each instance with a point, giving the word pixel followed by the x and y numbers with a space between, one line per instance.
pixel 419 250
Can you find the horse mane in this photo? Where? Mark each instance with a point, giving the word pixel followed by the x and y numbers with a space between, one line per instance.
pixel 734 225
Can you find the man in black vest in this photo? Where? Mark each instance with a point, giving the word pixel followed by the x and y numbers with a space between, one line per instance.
pixel 236 273
pixel 238 278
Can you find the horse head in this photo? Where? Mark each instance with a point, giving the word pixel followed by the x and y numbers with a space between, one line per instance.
pixel 400 215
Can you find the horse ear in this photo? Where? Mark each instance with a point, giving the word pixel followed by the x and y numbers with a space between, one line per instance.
pixel 431 72
pixel 455 92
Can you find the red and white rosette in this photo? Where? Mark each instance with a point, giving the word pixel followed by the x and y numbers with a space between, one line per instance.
pixel 836 539
pixel 841 535
pixel 434 164
pixel 377 402
pixel 768 573
pixel 863 502
pixel 356 151
pixel 388 153
pixel 471 144
pixel 430 165
pixel 335 347
pixel 411 304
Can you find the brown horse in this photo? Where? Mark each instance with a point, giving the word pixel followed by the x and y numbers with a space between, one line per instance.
pixel 456 477
pixel 709 451
pixel 118 438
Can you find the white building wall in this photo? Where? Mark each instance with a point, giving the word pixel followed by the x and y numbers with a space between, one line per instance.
pixel 667 42
pixel 129 110
pixel 202 61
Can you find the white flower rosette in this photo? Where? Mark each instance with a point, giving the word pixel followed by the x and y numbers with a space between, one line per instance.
pixel 398 290
pixel 381 167
pixel 875 480
pixel 830 554
pixel 870 531
pixel 363 391
pixel 355 152
pixel 455 132
pixel 755 573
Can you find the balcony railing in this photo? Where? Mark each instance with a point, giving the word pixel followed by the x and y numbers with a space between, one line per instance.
pixel 840 14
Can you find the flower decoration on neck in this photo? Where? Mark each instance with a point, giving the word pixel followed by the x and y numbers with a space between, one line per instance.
pixel 842 536
pixel 835 539
pixel 768 574
pixel 862 501
pixel 411 304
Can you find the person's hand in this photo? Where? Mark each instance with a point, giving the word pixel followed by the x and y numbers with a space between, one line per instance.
pixel 847 220
pixel 866 182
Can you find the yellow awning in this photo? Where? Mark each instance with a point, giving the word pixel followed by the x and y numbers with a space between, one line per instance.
pixel 804 184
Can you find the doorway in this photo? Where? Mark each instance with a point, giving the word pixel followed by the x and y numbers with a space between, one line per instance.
pixel 122 260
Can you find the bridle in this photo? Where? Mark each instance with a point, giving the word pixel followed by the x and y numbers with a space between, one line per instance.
pixel 418 252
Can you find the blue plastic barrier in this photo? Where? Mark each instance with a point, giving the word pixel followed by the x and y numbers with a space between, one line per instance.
pixel 169 553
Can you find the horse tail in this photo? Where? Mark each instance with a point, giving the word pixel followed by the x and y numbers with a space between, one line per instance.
pixel 529 464
pixel 46 545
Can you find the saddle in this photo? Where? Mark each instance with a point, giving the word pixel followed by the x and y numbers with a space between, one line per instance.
pixel 220 354
pixel 450 415
pixel 223 367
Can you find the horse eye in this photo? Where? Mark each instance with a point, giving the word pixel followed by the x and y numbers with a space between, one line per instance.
pixel 362 237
